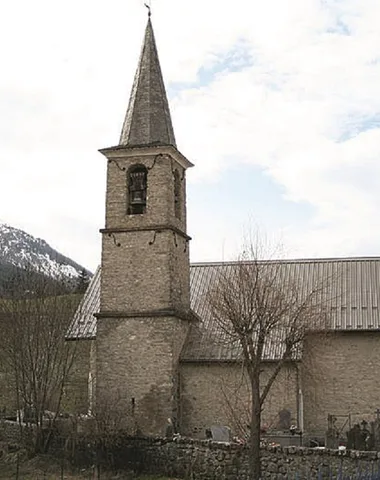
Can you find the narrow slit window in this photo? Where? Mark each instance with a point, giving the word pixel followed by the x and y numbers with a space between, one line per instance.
pixel 137 187
pixel 177 195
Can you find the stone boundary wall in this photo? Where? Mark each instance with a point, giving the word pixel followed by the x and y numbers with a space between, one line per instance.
pixel 10 431
pixel 207 460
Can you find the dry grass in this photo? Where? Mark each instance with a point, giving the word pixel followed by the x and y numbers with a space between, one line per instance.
pixel 48 468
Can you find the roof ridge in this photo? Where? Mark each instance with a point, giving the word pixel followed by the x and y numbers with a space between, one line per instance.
pixel 289 260
pixel 285 260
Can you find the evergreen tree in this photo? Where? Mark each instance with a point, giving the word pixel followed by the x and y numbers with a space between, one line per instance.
pixel 83 281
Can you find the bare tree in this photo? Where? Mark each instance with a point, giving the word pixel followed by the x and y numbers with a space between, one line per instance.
pixel 35 312
pixel 259 307
pixel 103 430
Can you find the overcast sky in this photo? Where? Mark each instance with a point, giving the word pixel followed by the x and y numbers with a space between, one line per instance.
pixel 277 103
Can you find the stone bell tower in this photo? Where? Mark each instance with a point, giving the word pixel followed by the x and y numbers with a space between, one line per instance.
pixel 145 295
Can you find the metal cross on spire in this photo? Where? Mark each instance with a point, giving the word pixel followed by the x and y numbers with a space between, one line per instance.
pixel 148 6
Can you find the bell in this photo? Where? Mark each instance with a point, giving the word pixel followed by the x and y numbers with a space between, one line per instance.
pixel 137 198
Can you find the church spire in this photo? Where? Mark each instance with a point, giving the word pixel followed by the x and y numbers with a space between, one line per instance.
pixel 148 120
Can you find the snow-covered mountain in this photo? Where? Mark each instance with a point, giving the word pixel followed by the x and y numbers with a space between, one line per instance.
pixel 19 249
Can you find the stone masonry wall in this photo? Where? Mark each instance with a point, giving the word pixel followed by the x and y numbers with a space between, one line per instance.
pixel 137 370
pixel 145 293
pixel 160 193
pixel 76 392
pixel 340 377
pixel 8 402
pixel 147 268
pixel 206 460
pixel 146 271
pixel 218 394
pixel 10 431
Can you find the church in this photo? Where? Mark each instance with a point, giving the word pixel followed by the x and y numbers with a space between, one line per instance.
pixel 147 338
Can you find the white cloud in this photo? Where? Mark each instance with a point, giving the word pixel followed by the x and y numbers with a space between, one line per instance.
pixel 297 110
pixel 289 112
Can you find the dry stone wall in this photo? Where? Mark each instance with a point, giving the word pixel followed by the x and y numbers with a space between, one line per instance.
pixel 207 460
pixel 10 431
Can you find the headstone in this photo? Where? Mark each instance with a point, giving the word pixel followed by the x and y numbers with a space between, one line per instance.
pixel 220 433
pixel 284 419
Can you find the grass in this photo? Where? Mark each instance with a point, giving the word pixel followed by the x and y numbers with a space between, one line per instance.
pixel 44 467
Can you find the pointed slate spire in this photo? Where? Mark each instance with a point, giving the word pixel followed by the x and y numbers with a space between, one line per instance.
pixel 148 120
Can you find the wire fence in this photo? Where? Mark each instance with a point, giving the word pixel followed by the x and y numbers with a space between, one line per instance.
pixel 45 467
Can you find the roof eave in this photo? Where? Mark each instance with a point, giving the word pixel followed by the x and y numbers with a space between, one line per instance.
pixel 233 360
pixel 123 151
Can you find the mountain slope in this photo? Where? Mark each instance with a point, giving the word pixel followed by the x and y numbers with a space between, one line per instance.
pixel 19 250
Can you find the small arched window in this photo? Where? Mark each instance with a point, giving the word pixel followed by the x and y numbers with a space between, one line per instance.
pixel 177 195
pixel 137 186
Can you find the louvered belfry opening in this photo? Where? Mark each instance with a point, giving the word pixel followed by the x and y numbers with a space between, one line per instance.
pixel 137 187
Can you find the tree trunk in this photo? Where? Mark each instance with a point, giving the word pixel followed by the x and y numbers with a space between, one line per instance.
pixel 254 444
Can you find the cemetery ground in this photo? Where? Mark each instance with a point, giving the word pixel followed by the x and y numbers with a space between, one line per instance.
pixel 45 467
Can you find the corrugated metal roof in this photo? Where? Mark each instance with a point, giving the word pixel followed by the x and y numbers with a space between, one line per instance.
pixel 353 299
pixel 84 323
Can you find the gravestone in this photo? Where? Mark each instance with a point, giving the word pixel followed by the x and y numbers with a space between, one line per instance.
pixel 220 433
pixel 284 419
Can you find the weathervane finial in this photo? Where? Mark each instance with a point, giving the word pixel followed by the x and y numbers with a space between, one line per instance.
pixel 149 8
